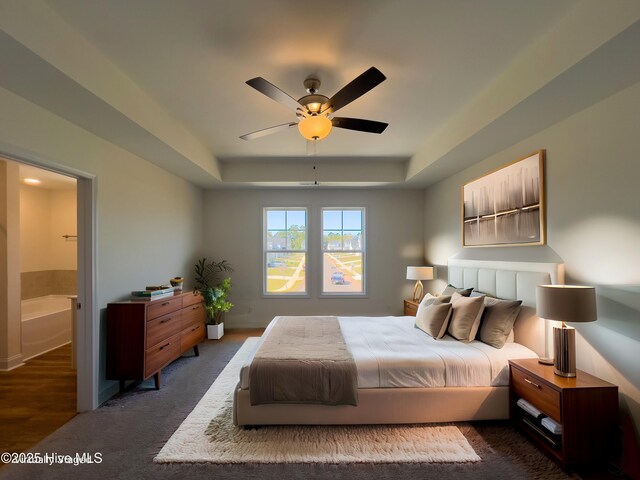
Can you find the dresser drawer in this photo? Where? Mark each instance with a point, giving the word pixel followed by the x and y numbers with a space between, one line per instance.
pixel 191 299
pixel 192 314
pixel 158 356
pixel 537 393
pixel 163 306
pixel 161 328
pixel 191 336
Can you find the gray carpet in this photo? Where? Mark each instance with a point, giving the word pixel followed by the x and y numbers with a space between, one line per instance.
pixel 130 429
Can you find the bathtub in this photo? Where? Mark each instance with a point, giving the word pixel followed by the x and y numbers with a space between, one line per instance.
pixel 46 324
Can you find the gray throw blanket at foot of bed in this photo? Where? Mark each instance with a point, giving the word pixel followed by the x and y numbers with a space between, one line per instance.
pixel 304 360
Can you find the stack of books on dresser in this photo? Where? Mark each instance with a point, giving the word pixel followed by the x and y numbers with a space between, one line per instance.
pixel 546 427
pixel 152 293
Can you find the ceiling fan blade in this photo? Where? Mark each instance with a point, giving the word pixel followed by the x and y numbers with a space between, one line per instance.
pixel 273 92
pixel 369 126
pixel 268 131
pixel 355 89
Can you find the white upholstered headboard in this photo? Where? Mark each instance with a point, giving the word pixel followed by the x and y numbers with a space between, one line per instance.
pixel 516 281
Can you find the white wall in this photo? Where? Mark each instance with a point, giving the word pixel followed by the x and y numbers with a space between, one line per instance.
pixel 46 215
pixel 149 222
pixel 64 222
pixel 233 231
pixel 593 225
pixel 35 229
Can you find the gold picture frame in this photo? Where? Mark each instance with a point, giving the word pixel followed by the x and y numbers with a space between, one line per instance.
pixel 506 207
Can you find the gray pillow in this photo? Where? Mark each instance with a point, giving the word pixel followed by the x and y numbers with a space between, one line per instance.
pixel 433 319
pixel 465 317
pixel 497 320
pixel 450 290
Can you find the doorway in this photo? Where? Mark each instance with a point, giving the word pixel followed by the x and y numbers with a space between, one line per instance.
pixel 56 338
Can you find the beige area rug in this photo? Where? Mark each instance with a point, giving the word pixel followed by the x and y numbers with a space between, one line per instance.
pixel 208 435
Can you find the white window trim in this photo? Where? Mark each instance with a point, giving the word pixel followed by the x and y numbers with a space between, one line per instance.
pixel 265 293
pixel 363 294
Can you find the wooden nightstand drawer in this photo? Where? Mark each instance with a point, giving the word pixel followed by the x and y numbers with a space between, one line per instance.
pixel 585 406
pixel 537 393
pixel 410 308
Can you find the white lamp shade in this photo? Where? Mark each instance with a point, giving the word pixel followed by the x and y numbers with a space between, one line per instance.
pixel 419 273
pixel 568 303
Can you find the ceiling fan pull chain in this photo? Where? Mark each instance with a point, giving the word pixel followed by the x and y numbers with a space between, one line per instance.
pixel 311 148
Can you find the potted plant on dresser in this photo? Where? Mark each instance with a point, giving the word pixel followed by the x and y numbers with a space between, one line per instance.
pixel 215 293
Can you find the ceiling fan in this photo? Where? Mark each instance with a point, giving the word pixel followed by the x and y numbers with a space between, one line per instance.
pixel 313 110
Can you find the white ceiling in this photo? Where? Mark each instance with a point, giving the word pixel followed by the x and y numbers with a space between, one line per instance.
pixel 165 79
pixel 50 180
pixel 194 57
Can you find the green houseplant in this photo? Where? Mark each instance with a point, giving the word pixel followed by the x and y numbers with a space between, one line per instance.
pixel 215 292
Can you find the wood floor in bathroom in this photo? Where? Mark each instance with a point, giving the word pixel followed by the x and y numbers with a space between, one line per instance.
pixel 36 399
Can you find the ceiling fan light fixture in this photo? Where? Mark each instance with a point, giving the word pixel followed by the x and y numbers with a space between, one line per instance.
pixel 315 127
pixel 313 103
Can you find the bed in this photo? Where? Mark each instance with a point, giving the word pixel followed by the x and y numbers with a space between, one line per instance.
pixel 406 377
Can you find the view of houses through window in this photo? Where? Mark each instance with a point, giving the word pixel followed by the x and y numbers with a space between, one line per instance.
pixel 342 251
pixel 285 251
pixel 286 255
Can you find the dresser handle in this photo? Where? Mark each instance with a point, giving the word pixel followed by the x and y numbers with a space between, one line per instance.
pixel 165 345
pixel 165 304
pixel 195 328
pixel 195 307
pixel 531 383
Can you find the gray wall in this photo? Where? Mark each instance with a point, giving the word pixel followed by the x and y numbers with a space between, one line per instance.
pixel 149 222
pixel 593 226
pixel 233 231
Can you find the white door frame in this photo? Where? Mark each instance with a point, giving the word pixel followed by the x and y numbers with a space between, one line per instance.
pixel 87 333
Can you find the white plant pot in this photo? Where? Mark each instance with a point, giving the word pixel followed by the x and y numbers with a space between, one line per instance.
pixel 215 332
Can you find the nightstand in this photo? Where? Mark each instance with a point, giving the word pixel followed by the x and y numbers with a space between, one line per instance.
pixel 411 308
pixel 585 406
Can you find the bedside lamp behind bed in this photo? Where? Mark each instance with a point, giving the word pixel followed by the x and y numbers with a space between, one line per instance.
pixel 567 303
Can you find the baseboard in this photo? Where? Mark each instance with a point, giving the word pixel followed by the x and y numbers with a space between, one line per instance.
pixel 10 363
pixel 107 392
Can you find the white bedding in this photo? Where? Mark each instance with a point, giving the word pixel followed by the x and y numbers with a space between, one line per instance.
pixel 391 353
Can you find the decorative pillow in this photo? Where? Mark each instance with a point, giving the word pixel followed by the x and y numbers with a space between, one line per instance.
pixel 512 336
pixel 429 299
pixel 497 320
pixel 433 319
pixel 450 290
pixel 465 317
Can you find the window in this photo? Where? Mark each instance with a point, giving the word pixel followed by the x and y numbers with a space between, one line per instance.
pixel 343 251
pixel 285 251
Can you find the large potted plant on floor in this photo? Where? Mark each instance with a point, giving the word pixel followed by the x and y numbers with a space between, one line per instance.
pixel 215 293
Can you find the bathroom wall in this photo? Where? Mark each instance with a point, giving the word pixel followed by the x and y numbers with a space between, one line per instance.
pixel 10 354
pixel 48 261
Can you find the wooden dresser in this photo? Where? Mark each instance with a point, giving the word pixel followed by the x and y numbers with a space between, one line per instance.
pixel 585 406
pixel 144 337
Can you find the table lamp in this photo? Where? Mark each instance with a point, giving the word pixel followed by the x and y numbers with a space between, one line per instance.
pixel 566 303
pixel 419 274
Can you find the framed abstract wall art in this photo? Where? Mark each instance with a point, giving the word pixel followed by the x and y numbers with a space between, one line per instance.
pixel 506 207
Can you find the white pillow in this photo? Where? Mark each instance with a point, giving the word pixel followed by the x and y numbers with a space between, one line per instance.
pixel 428 299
